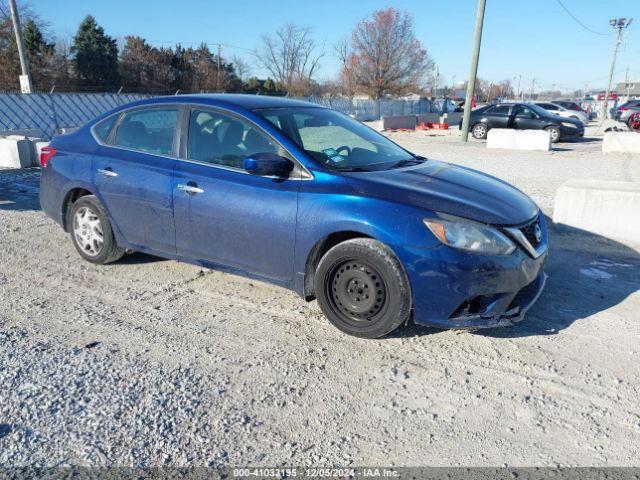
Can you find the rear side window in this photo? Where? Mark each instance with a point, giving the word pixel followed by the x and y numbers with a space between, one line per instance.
pixel 499 110
pixel 149 130
pixel 103 128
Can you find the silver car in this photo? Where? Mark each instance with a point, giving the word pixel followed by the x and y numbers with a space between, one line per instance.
pixel 624 111
pixel 556 109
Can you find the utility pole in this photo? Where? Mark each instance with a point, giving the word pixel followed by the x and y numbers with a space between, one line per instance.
pixel 533 82
pixel 619 24
pixel 25 78
pixel 473 71
pixel 219 65
pixel 519 94
pixel 626 82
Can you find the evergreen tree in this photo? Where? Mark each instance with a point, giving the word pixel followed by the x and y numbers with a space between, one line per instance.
pixel 39 51
pixel 95 55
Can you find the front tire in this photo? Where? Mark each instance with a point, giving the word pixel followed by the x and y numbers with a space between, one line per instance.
pixel 554 133
pixel 91 232
pixel 362 288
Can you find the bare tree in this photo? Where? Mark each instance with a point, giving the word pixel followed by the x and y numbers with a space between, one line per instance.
pixel 383 55
pixel 241 67
pixel 291 57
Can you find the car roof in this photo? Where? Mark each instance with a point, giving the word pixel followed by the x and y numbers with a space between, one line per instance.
pixel 248 102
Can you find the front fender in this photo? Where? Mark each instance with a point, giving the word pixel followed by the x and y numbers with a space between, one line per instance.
pixel 323 213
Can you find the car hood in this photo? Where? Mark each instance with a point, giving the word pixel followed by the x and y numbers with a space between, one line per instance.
pixel 446 188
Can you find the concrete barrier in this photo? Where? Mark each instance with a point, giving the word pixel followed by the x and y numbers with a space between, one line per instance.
pixel 398 122
pixel 15 152
pixel 625 142
pixel 609 209
pixel 36 150
pixel 511 139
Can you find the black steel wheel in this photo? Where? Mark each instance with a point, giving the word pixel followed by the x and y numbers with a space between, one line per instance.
pixel 356 291
pixel 362 288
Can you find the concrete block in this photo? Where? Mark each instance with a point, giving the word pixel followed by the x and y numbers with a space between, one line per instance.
pixel 15 152
pixel 400 121
pixel 506 138
pixel 533 140
pixel 625 142
pixel 501 138
pixel 36 149
pixel 606 208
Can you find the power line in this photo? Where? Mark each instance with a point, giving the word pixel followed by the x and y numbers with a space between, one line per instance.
pixel 579 22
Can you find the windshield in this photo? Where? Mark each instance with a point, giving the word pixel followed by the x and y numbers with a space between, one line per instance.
pixel 337 141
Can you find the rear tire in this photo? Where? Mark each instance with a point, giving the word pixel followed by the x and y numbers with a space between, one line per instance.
pixel 91 232
pixel 554 133
pixel 479 131
pixel 362 288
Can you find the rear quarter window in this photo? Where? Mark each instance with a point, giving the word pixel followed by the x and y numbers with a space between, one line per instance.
pixel 103 128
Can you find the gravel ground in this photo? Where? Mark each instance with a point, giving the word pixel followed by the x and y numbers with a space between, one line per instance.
pixel 150 362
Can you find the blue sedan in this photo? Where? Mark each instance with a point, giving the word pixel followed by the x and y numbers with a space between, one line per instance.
pixel 304 197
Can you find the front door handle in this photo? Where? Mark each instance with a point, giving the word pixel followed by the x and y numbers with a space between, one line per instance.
pixel 191 189
pixel 107 172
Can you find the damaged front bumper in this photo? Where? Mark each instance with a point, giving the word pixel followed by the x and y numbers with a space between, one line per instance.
pixel 507 309
pixel 453 289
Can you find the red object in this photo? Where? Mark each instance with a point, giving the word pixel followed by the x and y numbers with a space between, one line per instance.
pixel 622 109
pixel 612 96
pixel 473 102
pixel 634 122
pixel 45 155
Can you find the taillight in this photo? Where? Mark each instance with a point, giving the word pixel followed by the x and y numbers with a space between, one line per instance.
pixel 45 155
pixel 623 108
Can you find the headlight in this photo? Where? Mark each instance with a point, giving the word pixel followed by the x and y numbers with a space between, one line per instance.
pixel 570 125
pixel 470 236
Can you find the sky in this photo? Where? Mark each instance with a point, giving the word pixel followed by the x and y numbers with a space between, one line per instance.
pixel 527 39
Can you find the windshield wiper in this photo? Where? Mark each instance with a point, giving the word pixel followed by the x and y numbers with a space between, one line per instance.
pixel 408 161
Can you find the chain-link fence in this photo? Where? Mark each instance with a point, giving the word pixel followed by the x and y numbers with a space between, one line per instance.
pixel 46 113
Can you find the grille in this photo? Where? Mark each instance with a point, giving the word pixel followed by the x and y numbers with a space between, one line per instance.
pixel 529 232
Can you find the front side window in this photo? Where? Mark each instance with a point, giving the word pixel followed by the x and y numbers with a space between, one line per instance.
pixel 221 139
pixel 337 141
pixel 148 130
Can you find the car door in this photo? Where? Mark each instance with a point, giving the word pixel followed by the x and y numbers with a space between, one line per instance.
pixel 225 215
pixel 133 173
pixel 498 116
pixel 525 118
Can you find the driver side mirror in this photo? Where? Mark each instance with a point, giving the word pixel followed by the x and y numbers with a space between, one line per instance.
pixel 267 164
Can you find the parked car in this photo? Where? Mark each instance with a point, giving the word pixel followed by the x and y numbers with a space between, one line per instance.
pixel 554 109
pixel 623 112
pixel 523 116
pixel 304 197
pixel 569 104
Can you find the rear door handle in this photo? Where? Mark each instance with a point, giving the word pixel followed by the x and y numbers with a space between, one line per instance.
pixel 107 172
pixel 189 189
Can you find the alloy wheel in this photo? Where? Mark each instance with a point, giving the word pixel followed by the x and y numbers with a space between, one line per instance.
pixel 479 131
pixel 87 231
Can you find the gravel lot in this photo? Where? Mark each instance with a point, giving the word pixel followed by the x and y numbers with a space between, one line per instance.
pixel 149 362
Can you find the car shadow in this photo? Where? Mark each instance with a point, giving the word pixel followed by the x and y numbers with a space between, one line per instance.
pixel 139 258
pixel 587 273
pixel 19 189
